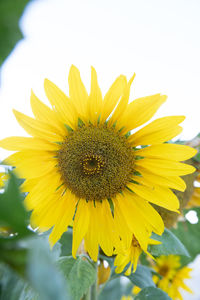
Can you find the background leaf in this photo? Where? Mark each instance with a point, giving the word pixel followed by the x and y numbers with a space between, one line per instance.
pixel 14 287
pixel 10 33
pixel 152 293
pixel 142 277
pixel 79 274
pixel 170 245
pixel 115 290
pixel 66 243
pixel 43 274
pixel 12 211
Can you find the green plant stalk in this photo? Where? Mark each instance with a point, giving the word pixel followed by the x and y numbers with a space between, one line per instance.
pixel 94 287
pixel 87 295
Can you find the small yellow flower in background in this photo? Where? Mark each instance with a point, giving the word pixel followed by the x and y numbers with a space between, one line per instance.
pixel 84 162
pixel 136 289
pixel 126 298
pixel 178 282
pixel 130 255
pixel 173 276
pixel 195 198
pixel 3 178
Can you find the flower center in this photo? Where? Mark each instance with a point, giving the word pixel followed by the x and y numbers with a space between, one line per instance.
pixel 92 164
pixel 164 270
pixel 96 163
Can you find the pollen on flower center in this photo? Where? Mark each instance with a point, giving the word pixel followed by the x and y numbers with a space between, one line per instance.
pixel 92 163
pixel 95 162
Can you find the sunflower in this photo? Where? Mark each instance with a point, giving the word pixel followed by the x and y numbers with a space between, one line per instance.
pixel 84 162
pixel 130 256
pixel 167 267
pixel 173 276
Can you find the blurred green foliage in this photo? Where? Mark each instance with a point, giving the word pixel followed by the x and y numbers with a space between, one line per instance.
pixel 30 270
pixel 152 293
pixel 170 245
pixel 10 33
pixel 189 235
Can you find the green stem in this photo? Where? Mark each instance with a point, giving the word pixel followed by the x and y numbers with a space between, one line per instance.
pixel 87 295
pixel 93 292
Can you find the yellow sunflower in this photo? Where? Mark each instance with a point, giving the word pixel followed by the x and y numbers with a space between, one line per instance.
pixel 178 283
pixel 83 162
pixel 130 255
pixel 173 276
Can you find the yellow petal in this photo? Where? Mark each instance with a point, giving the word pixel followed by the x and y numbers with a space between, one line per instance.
pixel 95 99
pixel 43 113
pixel 46 214
pixel 168 151
pixel 148 212
pixel 122 227
pixel 80 226
pixel 37 128
pixel 41 188
pixel 158 195
pixel 173 182
pixel 61 103
pixel 158 131
pixel 107 230
pixel 140 111
pixel 122 103
pixel 29 184
pixel 136 254
pixel 15 143
pixel 112 97
pixel 165 167
pixel 67 213
pixel 77 91
pixel 92 235
pixel 32 164
pixel 135 221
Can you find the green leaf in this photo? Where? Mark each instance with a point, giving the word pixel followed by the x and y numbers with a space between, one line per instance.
pixel 10 33
pixel 14 287
pixel 36 261
pixel 43 274
pixel 142 277
pixel 114 290
pixel 170 245
pixel 15 217
pixel 79 274
pixel 15 258
pixel 66 243
pixel 12 211
pixel 152 293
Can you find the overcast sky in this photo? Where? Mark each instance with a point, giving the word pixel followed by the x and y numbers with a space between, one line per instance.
pixel 158 40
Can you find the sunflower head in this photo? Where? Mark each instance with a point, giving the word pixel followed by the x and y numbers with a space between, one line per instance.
pixel 95 162
pixel 87 161
pixel 172 275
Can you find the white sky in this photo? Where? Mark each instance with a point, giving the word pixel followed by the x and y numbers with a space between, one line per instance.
pixel 157 39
